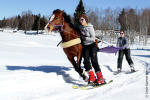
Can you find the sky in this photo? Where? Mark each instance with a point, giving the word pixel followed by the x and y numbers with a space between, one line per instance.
pixel 9 8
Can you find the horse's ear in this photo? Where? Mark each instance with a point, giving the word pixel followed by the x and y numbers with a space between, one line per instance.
pixel 62 12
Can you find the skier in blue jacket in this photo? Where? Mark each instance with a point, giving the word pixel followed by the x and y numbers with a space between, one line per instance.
pixel 123 43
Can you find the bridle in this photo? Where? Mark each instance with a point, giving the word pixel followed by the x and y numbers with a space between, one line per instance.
pixel 61 25
pixel 54 25
pixel 61 29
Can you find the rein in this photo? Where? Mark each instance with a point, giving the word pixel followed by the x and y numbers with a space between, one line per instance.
pixel 59 43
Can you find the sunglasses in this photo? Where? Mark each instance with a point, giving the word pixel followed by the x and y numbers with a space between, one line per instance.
pixel 82 19
pixel 121 33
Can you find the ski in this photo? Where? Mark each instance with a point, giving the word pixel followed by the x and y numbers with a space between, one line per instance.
pixel 129 72
pixel 125 72
pixel 88 87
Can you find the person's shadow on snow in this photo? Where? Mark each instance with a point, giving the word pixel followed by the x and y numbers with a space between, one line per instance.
pixel 59 70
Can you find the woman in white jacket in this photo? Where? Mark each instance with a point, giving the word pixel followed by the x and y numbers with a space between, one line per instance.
pixel 90 51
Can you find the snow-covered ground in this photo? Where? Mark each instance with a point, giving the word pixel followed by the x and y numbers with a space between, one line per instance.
pixel 32 67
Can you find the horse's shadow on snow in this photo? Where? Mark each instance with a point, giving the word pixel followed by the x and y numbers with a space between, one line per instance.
pixel 59 70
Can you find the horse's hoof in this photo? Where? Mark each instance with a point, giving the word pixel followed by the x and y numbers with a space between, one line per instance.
pixel 85 78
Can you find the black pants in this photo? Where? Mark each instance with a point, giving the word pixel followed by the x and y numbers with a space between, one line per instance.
pixel 90 56
pixel 120 57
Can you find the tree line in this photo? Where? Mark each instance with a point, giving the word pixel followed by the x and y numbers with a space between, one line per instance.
pixel 25 21
pixel 136 22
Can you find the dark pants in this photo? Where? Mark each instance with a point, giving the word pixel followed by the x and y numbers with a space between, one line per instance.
pixel 90 56
pixel 120 57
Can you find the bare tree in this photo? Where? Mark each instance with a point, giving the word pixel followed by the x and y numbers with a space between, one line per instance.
pixel 27 20
pixel 94 18
pixel 145 24
pixel 12 22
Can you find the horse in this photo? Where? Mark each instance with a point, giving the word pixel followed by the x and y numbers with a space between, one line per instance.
pixel 71 43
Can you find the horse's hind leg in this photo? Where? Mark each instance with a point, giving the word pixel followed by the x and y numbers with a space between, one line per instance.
pixel 79 59
pixel 78 68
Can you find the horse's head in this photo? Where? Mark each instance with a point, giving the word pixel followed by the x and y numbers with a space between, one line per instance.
pixel 56 21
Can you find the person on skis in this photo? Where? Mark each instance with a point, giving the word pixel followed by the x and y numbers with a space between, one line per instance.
pixel 87 35
pixel 123 43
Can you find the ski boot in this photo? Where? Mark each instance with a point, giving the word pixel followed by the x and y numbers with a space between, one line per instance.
pixel 132 68
pixel 91 79
pixel 100 80
pixel 118 70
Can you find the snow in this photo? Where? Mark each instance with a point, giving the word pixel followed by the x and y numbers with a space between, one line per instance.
pixel 32 67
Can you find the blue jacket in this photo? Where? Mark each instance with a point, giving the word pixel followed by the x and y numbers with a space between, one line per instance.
pixel 123 43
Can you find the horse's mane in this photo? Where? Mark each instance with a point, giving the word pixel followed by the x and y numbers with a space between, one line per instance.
pixel 67 19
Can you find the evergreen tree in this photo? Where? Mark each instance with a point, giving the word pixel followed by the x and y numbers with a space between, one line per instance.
pixel 78 12
pixel 43 22
pixel 20 22
pixel 0 23
pixel 36 24
pixel 122 20
pixel 4 23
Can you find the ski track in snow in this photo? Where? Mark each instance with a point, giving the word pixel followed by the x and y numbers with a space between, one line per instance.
pixel 32 67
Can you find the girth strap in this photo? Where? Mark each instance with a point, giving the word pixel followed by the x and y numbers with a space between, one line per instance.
pixel 70 43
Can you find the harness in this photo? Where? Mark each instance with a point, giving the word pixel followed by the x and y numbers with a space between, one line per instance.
pixel 71 43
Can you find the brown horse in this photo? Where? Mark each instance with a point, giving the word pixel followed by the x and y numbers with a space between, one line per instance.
pixel 72 47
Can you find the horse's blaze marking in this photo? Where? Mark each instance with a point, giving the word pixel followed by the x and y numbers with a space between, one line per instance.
pixel 52 17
